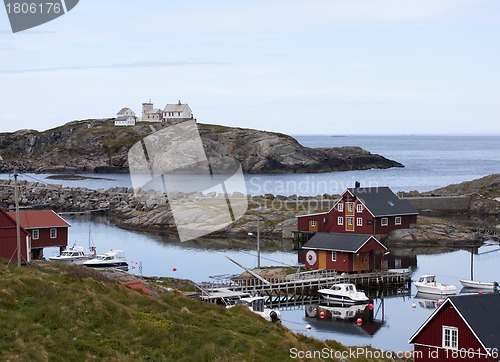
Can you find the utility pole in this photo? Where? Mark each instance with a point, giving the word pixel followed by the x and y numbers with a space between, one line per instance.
pixel 258 237
pixel 18 227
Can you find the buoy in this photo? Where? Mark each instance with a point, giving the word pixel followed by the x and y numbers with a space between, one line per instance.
pixel 370 306
pixel 414 306
pixel 174 269
pixel 322 314
pixel 480 292
pixel 359 322
pixel 308 326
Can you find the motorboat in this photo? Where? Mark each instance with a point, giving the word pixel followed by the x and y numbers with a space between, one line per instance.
pixel 73 255
pixel 474 284
pixel 344 293
pixel 256 305
pixel 428 284
pixel 112 259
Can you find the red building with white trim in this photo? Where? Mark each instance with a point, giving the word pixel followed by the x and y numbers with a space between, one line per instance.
pixel 463 328
pixel 8 239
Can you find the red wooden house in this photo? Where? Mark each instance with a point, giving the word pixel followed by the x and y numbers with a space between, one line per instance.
pixel 360 210
pixel 342 252
pixel 47 229
pixel 463 328
pixel 8 238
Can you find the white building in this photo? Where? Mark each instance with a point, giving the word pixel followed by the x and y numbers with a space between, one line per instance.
pixel 125 112
pixel 150 114
pixel 125 121
pixel 177 112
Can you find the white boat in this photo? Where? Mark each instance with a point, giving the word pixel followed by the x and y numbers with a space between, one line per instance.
pixel 256 305
pixel 344 293
pixel 112 259
pixel 73 255
pixel 473 284
pixel 428 284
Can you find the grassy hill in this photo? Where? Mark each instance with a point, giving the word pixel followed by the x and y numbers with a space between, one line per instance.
pixel 56 313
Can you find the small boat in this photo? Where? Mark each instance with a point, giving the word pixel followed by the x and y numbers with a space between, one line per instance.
pixel 73 255
pixel 256 305
pixel 112 259
pixel 473 284
pixel 344 293
pixel 428 284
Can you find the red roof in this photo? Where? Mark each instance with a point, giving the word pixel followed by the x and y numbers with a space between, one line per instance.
pixel 39 219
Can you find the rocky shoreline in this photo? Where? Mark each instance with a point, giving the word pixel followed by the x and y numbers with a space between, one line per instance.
pixel 148 211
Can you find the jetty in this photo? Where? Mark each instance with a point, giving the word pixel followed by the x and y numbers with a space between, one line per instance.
pixel 302 287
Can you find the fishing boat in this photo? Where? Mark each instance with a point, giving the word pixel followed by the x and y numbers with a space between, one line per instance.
pixel 474 284
pixel 73 255
pixel 256 305
pixel 428 284
pixel 343 293
pixel 112 259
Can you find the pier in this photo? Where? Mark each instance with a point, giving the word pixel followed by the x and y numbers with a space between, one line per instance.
pixel 300 288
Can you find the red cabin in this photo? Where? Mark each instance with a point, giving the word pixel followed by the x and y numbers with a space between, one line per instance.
pixel 47 229
pixel 342 252
pixel 362 210
pixel 463 328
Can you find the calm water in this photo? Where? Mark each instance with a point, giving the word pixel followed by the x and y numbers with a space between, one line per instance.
pixel 431 162
pixel 199 260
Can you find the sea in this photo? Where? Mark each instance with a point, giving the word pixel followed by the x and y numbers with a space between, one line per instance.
pixel 430 162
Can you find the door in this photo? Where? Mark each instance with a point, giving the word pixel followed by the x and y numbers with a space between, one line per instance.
pixel 313 225
pixel 322 259
pixel 349 223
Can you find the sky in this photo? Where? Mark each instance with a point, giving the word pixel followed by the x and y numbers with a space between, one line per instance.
pixel 319 67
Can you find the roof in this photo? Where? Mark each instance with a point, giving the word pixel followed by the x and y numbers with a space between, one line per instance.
pixel 124 110
pixel 339 242
pixel 381 201
pixel 479 312
pixel 152 110
pixel 39 219
pixel 123 118
pixel 175 107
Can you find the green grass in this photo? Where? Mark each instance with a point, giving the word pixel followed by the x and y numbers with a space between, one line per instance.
pixel 57 313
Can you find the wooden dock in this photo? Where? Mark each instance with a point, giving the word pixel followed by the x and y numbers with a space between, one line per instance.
pixel 303 287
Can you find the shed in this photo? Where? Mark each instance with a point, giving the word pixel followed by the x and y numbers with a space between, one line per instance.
pixel 464 327
pixel 8 238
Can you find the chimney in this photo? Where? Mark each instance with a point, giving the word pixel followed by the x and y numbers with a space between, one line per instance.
pixel 179 102
pixel 357 185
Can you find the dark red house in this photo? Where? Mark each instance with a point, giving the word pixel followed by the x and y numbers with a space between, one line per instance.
pixel 8 238
pixel 342 252
pixel 47 229
pixel 463 328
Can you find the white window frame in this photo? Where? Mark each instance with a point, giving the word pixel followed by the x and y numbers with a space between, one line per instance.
pixel 334 256
pixel 450 337
pixel 359 221
pixel 53 233
pixel 384 221
pixel 340 207
pixel 35 234
pixel 313 223
pixel 397 220
pixel 359 207
pixel 340 220
pixel 349 207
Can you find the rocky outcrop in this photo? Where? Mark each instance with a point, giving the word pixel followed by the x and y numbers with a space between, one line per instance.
pixel 97 146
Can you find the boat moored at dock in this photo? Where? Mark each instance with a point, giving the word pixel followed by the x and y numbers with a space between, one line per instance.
pixel 112 259
pixel 429 285
pixel 344 293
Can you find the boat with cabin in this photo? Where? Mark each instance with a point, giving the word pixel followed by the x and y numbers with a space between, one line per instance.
pixel 73 255
pixel 257 305
pixel 429 285
pixel 114 259
pixel 344 293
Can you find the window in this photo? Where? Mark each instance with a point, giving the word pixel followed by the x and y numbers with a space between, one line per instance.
pixel 349 221
pixel 340 207
pixel 359 207
pixel 53 233
pixel 35 234
pixel 450 337
pixel 340 220
pixel 349 207
pixel 313 222
pixel 397 220
pixel 359 221
pixel 334 256
pixel 384 221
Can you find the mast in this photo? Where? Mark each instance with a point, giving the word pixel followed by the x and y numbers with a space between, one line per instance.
pixel 18 227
